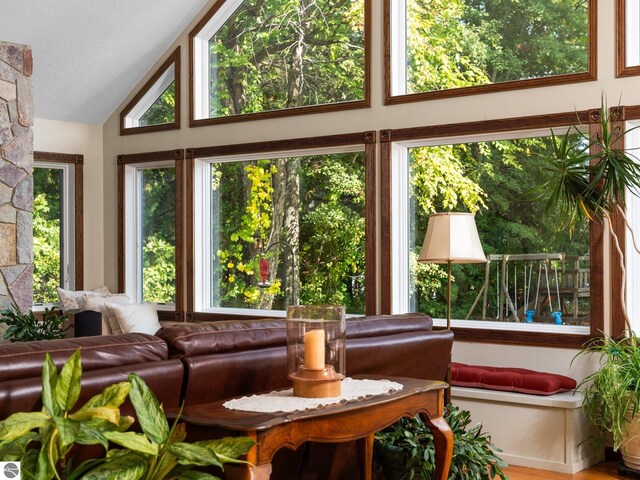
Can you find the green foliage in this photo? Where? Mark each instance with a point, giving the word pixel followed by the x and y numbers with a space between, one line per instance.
pixel 612 393
pixel 329 242
pixel 474 456
pixel 495 178
pixel 25 327
pixel 287 53
pixel 163 110
pixel 47 234
pixel 463 43
pixel 41 441
pixel 158 234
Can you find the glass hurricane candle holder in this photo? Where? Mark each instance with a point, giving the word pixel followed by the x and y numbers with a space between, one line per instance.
pixel 316 339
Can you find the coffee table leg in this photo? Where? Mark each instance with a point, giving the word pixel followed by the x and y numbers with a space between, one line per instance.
pixel 443 442
pixel 365 456
pixel 247 472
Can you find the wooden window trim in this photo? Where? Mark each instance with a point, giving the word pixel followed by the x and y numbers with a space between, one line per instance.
pixel 585 117
pixel 622 70
pixel 367 139
pixel 178 157
pixel 78 162
pixel 174 59
pixel 588 76
pixel 288 112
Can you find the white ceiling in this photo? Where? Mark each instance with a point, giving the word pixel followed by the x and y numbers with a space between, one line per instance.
pixel 89 54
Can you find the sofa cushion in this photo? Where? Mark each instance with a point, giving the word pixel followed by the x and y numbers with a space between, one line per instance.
pixel 21 360
pixel 509 379
pixel 192 339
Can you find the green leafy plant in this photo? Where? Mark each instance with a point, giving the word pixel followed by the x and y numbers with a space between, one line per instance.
pixel 612 393
pixel 474 456
pixel 43 441
pixel 589 178
pixel 26 327
pixel 160 452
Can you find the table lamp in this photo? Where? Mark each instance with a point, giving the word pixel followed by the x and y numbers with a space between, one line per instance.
pixel 451 238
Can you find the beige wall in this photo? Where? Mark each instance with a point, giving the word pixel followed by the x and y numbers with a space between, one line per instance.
pixel 468 108
pixel 82 139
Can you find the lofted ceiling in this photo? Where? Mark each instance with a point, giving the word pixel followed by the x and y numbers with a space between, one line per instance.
pixel 89 54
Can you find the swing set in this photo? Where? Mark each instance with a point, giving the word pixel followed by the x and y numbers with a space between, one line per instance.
pixel 545 305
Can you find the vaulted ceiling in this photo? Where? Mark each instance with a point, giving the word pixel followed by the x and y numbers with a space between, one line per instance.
pixel 89 54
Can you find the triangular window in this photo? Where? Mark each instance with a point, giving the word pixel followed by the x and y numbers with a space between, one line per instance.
pixel 157 105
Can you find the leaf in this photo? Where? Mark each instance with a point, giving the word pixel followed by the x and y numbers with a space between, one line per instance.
pixel 49 381
pixel 21 423
pixel 133 441
pixel 14 450
pixel 193 475
pixel 128 466
pixel 67 390
pixel 150 415
pixel 112 396
pixel 67 431
pixel 189 454
pixel 47 457
pixel 228 449
pixel 88 435
pixel 110 414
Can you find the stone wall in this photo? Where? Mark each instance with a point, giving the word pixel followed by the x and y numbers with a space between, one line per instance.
pixel 16 182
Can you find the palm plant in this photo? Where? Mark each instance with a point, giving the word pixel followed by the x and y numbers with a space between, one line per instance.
pixel 589 180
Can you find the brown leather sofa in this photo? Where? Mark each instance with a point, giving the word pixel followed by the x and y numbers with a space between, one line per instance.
pixel 105 360
pixel 238 357
pixel 201 362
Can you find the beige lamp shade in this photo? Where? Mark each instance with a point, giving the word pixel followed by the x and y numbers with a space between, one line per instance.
pixel 452 237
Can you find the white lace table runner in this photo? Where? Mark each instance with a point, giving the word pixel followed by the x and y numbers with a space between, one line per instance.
pixel 284 401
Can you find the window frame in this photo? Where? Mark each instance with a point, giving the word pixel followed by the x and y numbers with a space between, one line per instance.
pixel 197 85
pixel 73 213
pixel 392 274
pixel 128 278
pixel 149 90
pixel 197 157
pixel 622 69
pixel 390 99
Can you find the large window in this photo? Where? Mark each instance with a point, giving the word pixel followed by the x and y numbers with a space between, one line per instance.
pixel 534 265
pixel 538 278
pixel 453 47
pixel 53 230
pixel 276 231
pixel 150 232
pixel 252 57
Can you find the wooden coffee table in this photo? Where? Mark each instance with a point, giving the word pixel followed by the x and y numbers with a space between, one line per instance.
pixel 358 420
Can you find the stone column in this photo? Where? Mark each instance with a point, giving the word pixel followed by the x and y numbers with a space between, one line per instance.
pixel 16 180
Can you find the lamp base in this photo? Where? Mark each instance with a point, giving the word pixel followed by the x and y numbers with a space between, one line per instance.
pixel 308 383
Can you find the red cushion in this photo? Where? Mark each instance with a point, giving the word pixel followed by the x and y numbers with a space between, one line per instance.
pixel 509 379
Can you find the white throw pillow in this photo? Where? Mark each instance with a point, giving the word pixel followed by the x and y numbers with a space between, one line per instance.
pixel 97 304
pixel 138 317
pixel 71 301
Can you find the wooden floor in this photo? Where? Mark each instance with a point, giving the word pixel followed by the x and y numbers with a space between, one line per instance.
pixel 606 470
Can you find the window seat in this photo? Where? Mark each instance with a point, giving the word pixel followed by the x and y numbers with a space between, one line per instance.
pixel 545 432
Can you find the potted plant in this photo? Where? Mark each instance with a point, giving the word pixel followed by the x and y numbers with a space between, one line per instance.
pixel 26 327
pixel 42 441
pixel 588 180
pixel 406 451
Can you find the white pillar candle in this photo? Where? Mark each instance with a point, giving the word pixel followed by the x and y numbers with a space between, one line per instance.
pixel 314 349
